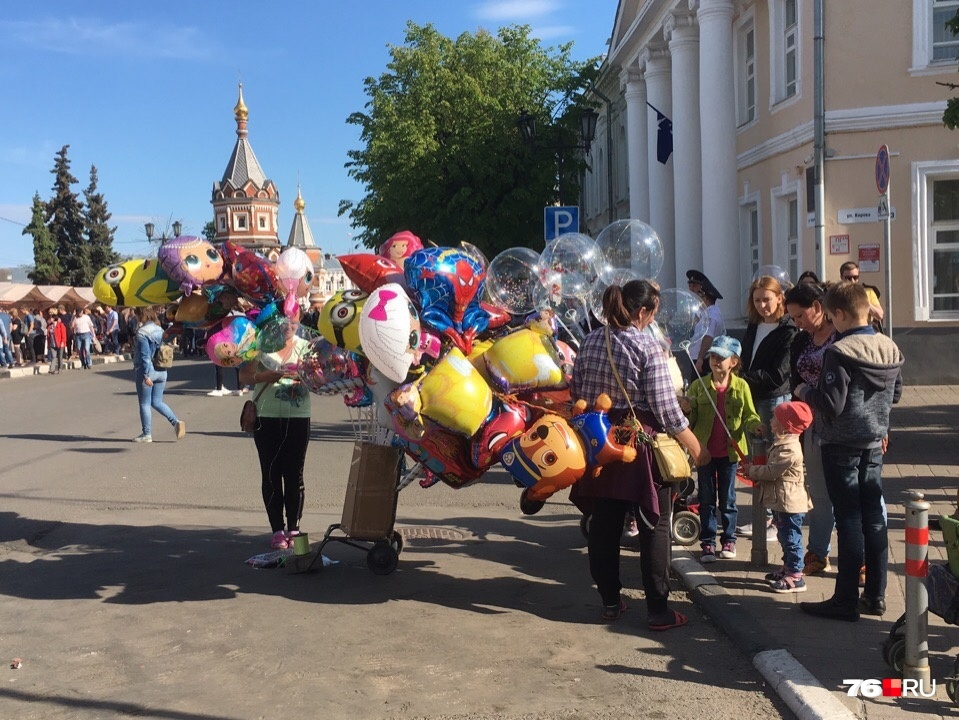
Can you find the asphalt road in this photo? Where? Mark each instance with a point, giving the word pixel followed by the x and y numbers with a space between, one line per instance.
pixel 123 586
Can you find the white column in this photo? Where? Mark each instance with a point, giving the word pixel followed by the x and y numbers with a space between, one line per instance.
pixel 683 37
pixel 717 98
pixel 638 150
pixel 661 206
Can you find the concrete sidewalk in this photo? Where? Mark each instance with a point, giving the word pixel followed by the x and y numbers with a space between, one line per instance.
pixel 805 658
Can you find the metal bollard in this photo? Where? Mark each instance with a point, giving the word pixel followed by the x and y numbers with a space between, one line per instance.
pixel 759 556
pixel 916 664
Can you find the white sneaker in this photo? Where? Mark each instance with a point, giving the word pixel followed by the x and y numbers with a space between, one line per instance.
pixel 217 393
pixel 745 531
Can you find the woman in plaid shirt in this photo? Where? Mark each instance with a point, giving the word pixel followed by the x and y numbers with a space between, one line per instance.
pixel 641 365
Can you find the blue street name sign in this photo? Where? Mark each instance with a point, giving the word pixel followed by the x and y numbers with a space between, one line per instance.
pixel 559 221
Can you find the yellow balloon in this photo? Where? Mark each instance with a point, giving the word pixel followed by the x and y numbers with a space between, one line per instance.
pixel 135 283
pixel 339 320
pixel 525 359
pixel 455 395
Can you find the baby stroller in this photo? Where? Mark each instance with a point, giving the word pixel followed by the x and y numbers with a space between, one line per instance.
pixel 685 524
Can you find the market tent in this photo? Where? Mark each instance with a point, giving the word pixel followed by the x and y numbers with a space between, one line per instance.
pixel 66 295
pixel 43 296
pixel 13 294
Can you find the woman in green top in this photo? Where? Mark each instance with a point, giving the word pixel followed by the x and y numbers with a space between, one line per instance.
pixel 282 434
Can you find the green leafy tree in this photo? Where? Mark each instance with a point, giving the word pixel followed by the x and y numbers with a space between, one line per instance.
pixel 209 231
pixel 442 154
pixel 46 266
pixel 98 231
pixel 65 221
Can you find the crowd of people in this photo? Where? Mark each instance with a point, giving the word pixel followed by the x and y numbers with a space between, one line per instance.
pixel 31 336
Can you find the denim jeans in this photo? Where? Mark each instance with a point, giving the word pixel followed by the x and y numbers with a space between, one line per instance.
pixel 789 532
pixel 820 518
pixel 854 481
pixel 6 354
pixel 152 396
pixel 84 341
pixel 764 408
pixel 718 476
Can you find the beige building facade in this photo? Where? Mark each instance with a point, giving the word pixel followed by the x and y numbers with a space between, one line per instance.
pixel 737 81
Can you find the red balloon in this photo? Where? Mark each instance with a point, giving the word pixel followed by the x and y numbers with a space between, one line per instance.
pixel 369 271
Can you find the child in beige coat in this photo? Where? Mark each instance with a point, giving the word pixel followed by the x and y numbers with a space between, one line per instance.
pixel 782 489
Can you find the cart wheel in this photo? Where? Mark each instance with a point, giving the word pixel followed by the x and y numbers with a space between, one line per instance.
pixel 397 542
pixel 382 559
pixel 897 627
pixel 886 645
pixel 897 655
pixel 530 507
pixel 584 526
pixel 951 684
pixel 686 527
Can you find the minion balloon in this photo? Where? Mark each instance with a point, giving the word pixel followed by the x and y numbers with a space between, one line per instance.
pixel 135 283
pixel 339 320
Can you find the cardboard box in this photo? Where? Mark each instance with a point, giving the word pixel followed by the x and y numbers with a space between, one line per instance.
pixel 370 507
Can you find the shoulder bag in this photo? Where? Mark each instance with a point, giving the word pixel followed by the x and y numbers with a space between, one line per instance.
pixel 249 420
pixel 671 457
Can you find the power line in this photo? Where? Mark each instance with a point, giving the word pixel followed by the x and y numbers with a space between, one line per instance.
pixel 15 222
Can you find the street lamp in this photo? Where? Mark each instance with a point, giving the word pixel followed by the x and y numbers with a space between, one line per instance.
pixel 150 228
pixel 587 132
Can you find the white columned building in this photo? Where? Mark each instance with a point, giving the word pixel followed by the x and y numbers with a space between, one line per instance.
pixel 720 215
pixel 661 206
pixel 683 36
pixel 636 142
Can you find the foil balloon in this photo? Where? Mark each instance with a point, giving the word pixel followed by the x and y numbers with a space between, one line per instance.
pixel 511 278
pixel 681 317
pixel 400 246
pixel 234 344
pixel 274 329
pixel 525 359
pixel 442 452
pixel 252 275
pixel 776 273
pixel 390 332
pixel 326 369
pixel 508 421
pixel 190 261
pixel 192 309
pixel 294 273
pixel 448 284
pixel 368 271
pixel 452 393
pixel 632 245
pixel 475 253
pixel 135 283
pixel 339 320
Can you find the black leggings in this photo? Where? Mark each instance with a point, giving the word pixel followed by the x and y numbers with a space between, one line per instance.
pixel 281 444
pixel 605 531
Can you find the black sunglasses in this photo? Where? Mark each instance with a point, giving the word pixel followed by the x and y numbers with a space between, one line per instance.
pixel 850 277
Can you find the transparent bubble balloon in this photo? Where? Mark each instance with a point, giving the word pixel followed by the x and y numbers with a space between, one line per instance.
pixel 576 259
pixel 475 253
pixel 326 369
pixel 681 317
pixel 571 313
pixel 632 245
pixel 775 272
pixel 613 276
pixel 511 278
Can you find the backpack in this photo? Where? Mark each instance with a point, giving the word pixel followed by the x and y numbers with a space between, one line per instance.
pixel 163 357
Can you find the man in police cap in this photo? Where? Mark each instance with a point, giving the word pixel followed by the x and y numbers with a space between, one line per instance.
pixel 710 326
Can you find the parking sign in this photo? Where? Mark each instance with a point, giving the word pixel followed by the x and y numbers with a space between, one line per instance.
pixel 560 220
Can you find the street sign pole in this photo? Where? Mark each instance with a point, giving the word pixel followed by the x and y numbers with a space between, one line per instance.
pixel 885 203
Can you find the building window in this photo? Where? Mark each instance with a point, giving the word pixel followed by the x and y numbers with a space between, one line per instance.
pixel 222 222
pixel 262 221
pixel 746 73
pixel 750 242
pixel 936 252
pixel 792 240
pixel 945 45
pixel 784 44
pixel 239 222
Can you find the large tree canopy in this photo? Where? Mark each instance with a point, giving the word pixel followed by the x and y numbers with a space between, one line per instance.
pixel 96 221
pixel 46 266
pixel 443 156
pixel 65 219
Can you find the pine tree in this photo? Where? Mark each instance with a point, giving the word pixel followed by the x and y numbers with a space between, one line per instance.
pixel 65 222
pixel 209 231
pixel 46 266
pixel 99 234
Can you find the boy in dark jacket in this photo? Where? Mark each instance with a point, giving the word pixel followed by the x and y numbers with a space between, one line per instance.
pixel 861 379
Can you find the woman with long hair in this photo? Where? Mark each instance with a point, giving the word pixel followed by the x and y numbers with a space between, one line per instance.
pixel 816 333
pixel 630 366
pixel 765 359
pixel 150 380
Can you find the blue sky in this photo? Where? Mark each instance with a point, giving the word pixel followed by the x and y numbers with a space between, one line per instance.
pixel 145 91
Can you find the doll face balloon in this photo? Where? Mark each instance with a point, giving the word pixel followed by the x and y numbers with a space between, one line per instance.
pixel 233 345
pixel 294 272
pixel 190 261
pixel 390 332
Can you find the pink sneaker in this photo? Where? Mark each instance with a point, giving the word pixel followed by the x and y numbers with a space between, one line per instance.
pixel 279 541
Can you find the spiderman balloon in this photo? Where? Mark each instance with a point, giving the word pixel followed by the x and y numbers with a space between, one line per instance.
pixel 449 285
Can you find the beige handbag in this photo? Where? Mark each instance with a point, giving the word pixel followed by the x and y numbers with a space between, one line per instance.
pixel 671 457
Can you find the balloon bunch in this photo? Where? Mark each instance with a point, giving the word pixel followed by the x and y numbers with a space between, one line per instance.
pixel 209 285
